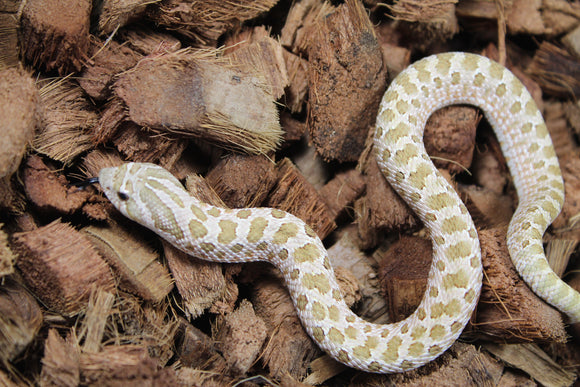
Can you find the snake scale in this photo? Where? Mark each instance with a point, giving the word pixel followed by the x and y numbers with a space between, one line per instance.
pixel 154 198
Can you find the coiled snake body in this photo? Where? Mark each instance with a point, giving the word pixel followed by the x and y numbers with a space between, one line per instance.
pixel 154 198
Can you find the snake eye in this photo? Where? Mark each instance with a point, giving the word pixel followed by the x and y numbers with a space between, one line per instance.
pixel 123 196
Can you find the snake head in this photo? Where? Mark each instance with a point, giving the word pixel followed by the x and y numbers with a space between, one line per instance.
pixel 134 188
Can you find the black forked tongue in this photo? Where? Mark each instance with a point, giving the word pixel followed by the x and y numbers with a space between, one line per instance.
pixel 85 183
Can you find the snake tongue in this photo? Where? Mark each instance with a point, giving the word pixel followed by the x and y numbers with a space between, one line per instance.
pixel 85 183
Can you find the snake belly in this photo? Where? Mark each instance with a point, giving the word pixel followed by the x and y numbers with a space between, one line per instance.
pixel 151 196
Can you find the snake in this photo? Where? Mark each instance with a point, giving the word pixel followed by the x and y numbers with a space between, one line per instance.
pixel 154 198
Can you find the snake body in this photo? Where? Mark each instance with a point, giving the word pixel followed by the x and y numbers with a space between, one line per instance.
pixel 154 198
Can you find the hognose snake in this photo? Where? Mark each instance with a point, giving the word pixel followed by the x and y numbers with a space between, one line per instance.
pixel 154 198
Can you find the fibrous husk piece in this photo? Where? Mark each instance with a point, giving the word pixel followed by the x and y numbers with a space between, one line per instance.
pixel 61 266
pixel 242 181
pixel 200 283
pixel 289 349
pixel 199 188
pixel 122 365
pixel 567 220
pixel 107 60
pixel 421 10
pixel 297 90
pixel 302 17
pixel 95 320
pixel 346 70
pixel 187 376
pixel 308 162
pixel 427 22
pixel 293 128
pixel 6 256
pixel 531 359
pixel 521 16
pixel 113 115
pixel 245 37
pixel 450 137
pixel 144 324
pixel 141 145
pixel 508 311
pixel 294 194
pixel 116 14
pixel 50 192
pixel 20 319
pixel 205 21
pixel 148 41
pixel 487 208
pixel 559 128
pixel 480 9
pixel 340 192
pixel 11 199
pixel 199 95
pixel 197 350
pixel 54 34
pixel 489 167
pixel 558 253
pixel 265 56
pixel 560 16
pixel 396 58
pixel 9 35
pixel 357 277
pixel 138 266
pixel 19 112
pixel 60 363
pixel 240 337
pixel 381 210
pixel 556 71
pixel 404 269
pixel 390 37
pixel 323 368
pixel 525 17
pixel 67 117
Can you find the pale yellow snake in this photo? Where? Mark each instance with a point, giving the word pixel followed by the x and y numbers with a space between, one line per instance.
pixel 152 197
